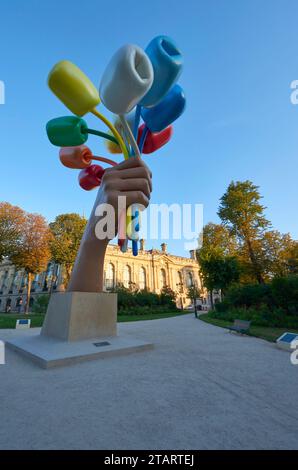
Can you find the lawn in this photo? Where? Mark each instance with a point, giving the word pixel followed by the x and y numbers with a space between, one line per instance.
pixel 267 333
pixel 149 316
pixel 8 320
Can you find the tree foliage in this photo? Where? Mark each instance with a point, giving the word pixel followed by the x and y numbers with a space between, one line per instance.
pixel 218 241
pixel 67 231
pixel 12 219
pixel 278 253
pixel 219 267
pixel 219 273
pixel 242 212
pixel 32 253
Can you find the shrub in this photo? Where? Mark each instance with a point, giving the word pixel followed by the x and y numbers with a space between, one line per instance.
pixel 144 310
pixel 285 293
pixel 147 298
pixel 249 295
pixel 261 316
pixel 41 304
pixel 144 301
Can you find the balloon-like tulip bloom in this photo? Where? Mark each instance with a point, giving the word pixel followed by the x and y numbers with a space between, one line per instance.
pixel 126 79
pixel 67 131
pixel 76 157
pixel 73 88
pixel 155 140
pixel 167 61
pixel 167 111
pixel 90 177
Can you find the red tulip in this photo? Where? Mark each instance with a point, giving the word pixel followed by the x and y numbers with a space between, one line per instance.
pixel 90 177
pixel 155 140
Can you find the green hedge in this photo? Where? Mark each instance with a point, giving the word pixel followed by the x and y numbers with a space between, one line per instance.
pixel 138 301
pixel 129 302
pixel 280 293
pixel 146 309
pixel 259 317
pixel 41 304
pixel 273 304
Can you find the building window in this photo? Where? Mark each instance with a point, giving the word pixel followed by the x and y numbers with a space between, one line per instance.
pixel 142 278
pixel 126 276
pixel 8 306
pixel 110 276
pixel 179 281
pixel 163 279
pixel 189 280
pixel 4 280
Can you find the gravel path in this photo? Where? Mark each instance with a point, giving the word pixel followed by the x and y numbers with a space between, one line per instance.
pixel 200 388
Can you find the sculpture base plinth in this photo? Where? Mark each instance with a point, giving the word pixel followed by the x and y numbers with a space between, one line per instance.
pixel 75 316
pixel 50 352
pixel 79 326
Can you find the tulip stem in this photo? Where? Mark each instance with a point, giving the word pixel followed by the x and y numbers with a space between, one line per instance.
pixel 102 134
pixel 105 160
pixel 143 138
pixel 135 148
pixel 113 130
pixel 130 136
pixel 137 121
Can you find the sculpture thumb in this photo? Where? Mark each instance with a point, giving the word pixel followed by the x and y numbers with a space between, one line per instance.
pixel 126 79
pixel 73 88
pixel 167 111
pixel 167 62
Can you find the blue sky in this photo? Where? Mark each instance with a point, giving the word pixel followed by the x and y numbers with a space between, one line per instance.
pixel 240 58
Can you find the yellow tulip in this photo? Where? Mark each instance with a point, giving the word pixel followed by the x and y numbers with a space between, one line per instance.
pixel 112 147
pixel 73 88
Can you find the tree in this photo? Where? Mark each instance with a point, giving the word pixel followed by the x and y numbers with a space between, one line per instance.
pixel 278 253
pixel 67 231
pixel 11 222
pixel 167 297
pixel 241 211
pixel 194 293
pixel 218 240
pixel 293 259
pixel 217 261
pixel 218 272
pixel 32 253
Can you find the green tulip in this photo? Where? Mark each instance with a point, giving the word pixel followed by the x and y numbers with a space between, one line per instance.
pixel 67 131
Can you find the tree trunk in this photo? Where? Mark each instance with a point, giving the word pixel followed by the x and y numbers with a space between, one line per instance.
pixel 68 270
pixel 211 299
pixel 29 282
pixel 253 260
pixel 195 305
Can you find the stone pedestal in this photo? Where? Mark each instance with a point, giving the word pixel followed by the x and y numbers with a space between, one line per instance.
pixel 78 326
pixel 74 316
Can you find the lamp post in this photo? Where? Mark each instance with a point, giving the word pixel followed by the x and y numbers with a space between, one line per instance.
pixel 196 292
pixel 180 289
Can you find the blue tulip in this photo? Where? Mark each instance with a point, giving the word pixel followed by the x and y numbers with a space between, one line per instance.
pixel 167 111
pixel 167 66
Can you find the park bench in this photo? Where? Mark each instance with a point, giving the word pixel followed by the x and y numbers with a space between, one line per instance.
pixel 240 326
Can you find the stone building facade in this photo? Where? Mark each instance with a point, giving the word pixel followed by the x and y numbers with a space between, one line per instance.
pixel 151 270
